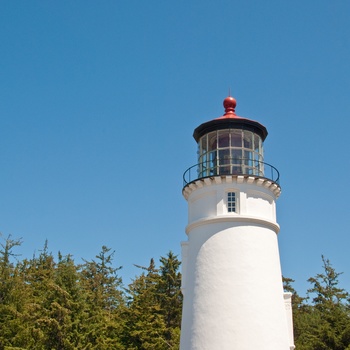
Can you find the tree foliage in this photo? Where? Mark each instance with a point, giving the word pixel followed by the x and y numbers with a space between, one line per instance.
pixel 49 303
pixel 57 304
pixel 154 309
pixel 322 319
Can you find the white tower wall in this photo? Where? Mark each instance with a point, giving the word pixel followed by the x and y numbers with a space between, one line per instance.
pixel 232 281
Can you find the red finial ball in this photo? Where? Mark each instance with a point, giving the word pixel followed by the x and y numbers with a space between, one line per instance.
pixel 229 104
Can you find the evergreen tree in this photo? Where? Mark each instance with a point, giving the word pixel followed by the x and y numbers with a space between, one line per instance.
pixel 326 323
pixel 300 309
pixel 145 329
pixel 12 294
pixel 105 302
pixel 70 299
pixel 48 314
pixel 49 304
pixel 155 305
pixel 170 298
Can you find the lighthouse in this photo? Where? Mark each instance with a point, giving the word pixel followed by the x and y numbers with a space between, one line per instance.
pixel 231 272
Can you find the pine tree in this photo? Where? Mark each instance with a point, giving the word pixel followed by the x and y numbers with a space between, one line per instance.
pixel 12 294
pixel 70 299
pixel 170 298
pixel 145 328
pixel 48 314
pixel 326 323
pixel 105 302
pixel 300 309
pixel 51 304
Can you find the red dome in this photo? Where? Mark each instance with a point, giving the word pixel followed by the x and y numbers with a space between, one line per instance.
pixel 229 105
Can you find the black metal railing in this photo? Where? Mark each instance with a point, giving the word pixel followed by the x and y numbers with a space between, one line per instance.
pixel 241 167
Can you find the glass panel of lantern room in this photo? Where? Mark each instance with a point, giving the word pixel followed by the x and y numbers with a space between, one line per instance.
pixel 248 139
pixel 223 138
pixel 236 138
pixel 224 152
pixel 203 156
pixel 248 162
pixel 258 145
pixel 224 161
pixel 237 163
pixel 258 156
pixel 213 163
pixel 212 141
pixel 203 144
pixel 203 166
pixel 212 155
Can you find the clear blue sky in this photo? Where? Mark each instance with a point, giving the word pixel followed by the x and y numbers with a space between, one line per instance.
pixel 99 100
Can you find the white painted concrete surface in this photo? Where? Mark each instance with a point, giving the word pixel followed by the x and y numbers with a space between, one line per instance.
pixel 232 281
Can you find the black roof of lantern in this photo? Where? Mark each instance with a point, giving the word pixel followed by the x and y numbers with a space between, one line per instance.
pixel 230 121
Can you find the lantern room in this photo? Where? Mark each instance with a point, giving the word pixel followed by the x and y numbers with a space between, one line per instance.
pixel 230 145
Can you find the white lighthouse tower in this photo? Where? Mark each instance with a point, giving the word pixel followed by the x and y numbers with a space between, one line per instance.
pixel 232 281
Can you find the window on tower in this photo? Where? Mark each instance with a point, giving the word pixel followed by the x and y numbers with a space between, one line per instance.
pixel 231 202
